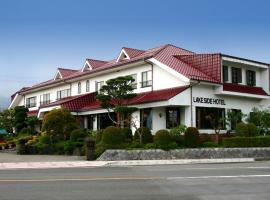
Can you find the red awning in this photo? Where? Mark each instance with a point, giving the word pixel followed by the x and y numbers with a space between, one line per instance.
pixel 244 89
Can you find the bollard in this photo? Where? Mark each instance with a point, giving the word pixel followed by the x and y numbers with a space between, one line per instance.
pixel 90 148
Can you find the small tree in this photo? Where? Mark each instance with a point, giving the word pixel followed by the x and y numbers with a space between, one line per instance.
pixel 7 120
pixel 20 115
pixel 59 123
pixel 217 123
pixel 261 118
pixel 233 118
pixel 31 123
pixel 115 96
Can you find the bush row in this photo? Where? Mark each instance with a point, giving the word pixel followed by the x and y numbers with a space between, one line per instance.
pixel 259 141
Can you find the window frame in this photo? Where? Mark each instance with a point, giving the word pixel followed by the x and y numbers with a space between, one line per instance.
pixel 168 117
pixel 204 123
pixel 60 94
pixel 225 73
pixel 148 82
pixel 251 78
pixel 29 104
pixel 236 75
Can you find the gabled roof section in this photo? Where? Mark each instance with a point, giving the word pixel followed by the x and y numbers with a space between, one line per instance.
pixel 128 53
pixel 170 57
pixel 209 64
pixel 63 73
pixel 123 56
pixel 91 64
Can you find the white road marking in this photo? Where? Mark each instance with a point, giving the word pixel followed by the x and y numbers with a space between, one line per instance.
pixel 133 178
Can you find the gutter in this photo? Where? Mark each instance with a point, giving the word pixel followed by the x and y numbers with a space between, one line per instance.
pixel 191 100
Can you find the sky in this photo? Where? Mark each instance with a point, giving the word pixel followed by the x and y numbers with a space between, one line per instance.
pixel 37 36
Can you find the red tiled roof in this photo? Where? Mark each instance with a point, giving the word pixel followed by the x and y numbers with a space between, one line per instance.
pixel 181 60
pixel 243 89
pixel 208 64
pixel 88 101
pixel 66 72
pixel 133 52
pixel 146 97
pixel 32 113
pixel 171 55
pixel 96 63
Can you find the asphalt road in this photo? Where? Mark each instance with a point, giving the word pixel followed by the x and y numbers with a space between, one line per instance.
pixel 181 182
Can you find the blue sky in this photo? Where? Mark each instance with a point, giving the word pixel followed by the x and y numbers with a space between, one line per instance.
pixel 37 36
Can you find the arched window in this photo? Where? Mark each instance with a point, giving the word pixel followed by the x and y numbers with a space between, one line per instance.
pixel 87 86
pixel 79 88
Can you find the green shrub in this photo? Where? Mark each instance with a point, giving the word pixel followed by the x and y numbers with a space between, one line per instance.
pixel 44 139
pixel 77 134
pixel 69 147
pixel 252 130
pixel 259 141
pixel 127 134
pixel 179 130
pixel 246 130
pixel 99 136
pixel 135 145
pixel 241 129
pixel 112 136
pixel 147 137
pixel 150 146
pixel 192 138
pixel 59 147
pixel 169 146
pixel 25 132
pixel 209 144
pixel 162 137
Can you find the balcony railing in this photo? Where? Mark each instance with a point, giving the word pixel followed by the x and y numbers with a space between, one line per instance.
pixel 146 83
pixel 31 105
pixel 45 102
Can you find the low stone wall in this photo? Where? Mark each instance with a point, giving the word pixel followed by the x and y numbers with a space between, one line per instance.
pixel 157 154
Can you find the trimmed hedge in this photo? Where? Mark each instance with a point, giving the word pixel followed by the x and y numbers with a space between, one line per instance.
pixel 162 137
pixel 127 134
pixel 246 130
pixel 192 138
pixel 77 134
pixel 147 136
pixel 260 141
pixel 99 136
pixel 112 136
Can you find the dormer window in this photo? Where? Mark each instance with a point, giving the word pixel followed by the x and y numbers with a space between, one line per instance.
pixel 123 56
pixel 236 75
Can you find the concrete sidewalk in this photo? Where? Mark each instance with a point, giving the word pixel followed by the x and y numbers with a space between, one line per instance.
pixel 78 164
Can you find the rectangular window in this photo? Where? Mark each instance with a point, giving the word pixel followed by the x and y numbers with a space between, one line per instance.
pixel 203 121
pixel 99 85
pixel 236 75
pixel 172 117
pixel 225 73
pixel 31 102
pixel 251 78
pixel 146 79
pixel 45 99
pixel 134 84
pixel 146 118
pixel 63 93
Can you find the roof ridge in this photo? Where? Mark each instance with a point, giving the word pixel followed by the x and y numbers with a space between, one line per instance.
pixel 67 69
pixel 96 60
pixel 133 49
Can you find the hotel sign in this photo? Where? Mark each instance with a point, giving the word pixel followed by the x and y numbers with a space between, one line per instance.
pixel 209 100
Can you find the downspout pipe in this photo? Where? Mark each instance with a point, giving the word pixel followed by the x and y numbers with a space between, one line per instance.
pixel 191 100
pixel 152 67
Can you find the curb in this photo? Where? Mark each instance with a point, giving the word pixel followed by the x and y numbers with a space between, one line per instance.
pixel 83 164
pixel 178 162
